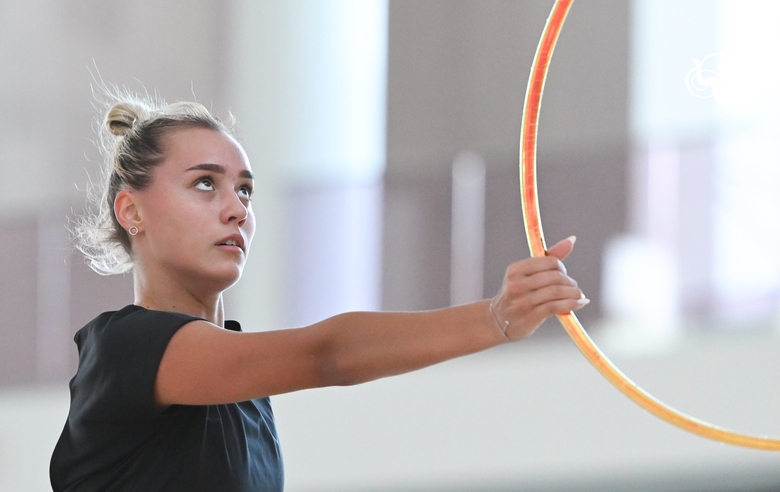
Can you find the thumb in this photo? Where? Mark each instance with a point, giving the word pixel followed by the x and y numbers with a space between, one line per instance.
pixel 562 248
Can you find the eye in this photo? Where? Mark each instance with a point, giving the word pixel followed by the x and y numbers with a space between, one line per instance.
pixel 204 184
pixel 245 191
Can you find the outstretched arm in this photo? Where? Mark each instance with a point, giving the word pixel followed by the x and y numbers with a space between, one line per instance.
pixel 204 364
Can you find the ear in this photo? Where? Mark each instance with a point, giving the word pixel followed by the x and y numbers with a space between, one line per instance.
pixel 126 210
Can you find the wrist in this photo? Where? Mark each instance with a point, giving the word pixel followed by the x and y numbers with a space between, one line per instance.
pixel 499 324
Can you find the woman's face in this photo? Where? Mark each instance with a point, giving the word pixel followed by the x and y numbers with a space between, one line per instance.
pixel 196 215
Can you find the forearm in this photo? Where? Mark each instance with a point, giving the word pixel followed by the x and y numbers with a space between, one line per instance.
pixel 204 364
pixel 363 346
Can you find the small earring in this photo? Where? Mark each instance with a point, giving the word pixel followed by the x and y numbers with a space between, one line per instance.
pixel 133 230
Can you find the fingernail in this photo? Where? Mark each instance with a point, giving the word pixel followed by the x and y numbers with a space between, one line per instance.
pixel 572 239
pixel 584 301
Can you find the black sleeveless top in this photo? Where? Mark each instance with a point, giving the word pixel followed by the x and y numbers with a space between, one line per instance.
pixel 117 439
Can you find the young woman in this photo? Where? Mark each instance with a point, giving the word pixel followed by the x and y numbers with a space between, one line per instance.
pixel 169 395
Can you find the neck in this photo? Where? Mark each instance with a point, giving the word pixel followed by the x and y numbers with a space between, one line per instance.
pixel 164 294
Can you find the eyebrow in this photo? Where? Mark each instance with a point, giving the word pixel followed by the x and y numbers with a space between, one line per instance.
pixel 219 169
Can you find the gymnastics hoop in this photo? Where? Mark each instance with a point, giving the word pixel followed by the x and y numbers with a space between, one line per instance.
pixel 533 229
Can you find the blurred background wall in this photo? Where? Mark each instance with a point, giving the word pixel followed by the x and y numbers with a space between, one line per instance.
pixel 355 115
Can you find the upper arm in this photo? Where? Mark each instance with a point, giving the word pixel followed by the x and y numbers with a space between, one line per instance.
pixel 204 364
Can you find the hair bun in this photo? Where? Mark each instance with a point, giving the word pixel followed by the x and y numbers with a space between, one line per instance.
pixel 122 116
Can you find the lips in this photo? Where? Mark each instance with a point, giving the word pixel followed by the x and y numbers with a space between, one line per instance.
pixel 233 240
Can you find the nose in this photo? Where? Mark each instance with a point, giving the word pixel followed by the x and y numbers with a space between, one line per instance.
pixel 234 209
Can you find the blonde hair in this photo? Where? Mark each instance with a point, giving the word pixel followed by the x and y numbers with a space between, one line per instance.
pixel 131 138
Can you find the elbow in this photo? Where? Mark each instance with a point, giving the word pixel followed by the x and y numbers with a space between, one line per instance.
pixel 328 366
pixel 337 364
pixel 334 372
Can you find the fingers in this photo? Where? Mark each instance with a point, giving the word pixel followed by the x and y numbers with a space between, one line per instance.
pixel 558 306
pixel 544 299
pixel 562 248
pixel 535 273
pixel 554 295
pixel 526 315
pixel 550 277
pixel 552 308
pixel 552 261
pixel 535 289
pixel 532 266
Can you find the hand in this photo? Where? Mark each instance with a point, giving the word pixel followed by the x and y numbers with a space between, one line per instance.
pixel 535 289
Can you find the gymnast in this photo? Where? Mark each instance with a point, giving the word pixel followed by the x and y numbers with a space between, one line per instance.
pixel 171 396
